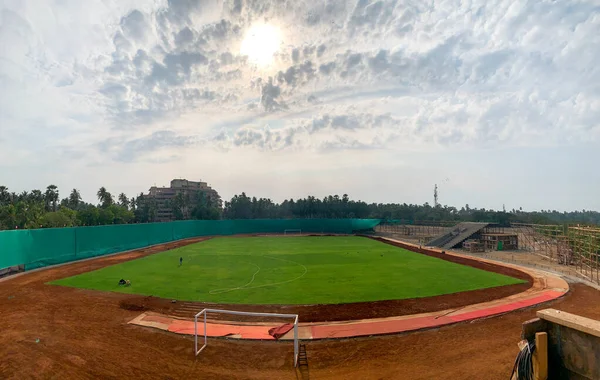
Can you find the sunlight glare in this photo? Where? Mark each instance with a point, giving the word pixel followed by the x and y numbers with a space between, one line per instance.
pixel 261 43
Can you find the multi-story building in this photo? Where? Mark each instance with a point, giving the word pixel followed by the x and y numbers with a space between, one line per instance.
pixel 165 197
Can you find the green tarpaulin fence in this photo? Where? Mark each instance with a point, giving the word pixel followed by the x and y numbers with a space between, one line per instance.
pixel 44 247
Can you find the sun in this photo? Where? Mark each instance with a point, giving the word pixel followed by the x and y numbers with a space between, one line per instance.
pixel 261 43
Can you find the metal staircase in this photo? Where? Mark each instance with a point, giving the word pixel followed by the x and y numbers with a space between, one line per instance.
pixel 457 235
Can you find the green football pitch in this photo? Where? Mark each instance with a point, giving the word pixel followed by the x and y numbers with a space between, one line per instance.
pixel 289 270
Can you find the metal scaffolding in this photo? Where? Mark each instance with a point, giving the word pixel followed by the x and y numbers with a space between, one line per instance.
pixel 543 240
pixel 577 246
pixel 584 242
pixel 420 233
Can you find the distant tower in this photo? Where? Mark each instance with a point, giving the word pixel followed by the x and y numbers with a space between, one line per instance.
pixel 435 196
pixel 503 208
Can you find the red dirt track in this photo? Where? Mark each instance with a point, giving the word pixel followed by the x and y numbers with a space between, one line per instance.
pixel 84 334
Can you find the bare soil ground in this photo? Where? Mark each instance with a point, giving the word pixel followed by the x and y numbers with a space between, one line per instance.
pixel 57 332
pixel 528 259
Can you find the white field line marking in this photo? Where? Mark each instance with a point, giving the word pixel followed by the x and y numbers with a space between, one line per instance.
pixel 282 282
pixel 225 290
pixel 246 287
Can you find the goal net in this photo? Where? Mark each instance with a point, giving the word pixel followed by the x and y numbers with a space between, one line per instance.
pixel 292 232
pixel 201 325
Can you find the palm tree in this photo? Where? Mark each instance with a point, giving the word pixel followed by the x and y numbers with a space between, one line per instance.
pixel 4 195
pixel 8 217
pixel 74 199
pixel 123 201
pixel 36 196
pixel 23 197
pixel 51 197
pixel 104 197
pixel 101 194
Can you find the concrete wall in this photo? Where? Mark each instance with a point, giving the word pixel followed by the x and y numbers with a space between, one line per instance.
pixel 573 344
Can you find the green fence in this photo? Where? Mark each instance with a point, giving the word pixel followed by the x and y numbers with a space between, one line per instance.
pixel 43 247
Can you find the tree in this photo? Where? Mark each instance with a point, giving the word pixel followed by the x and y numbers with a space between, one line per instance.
pixel 178 206
pixel 152 210
pixel 121 215
pixel 124 201
pixel 240 207
pixel 36 208
pixel 65 217
pixel 145 209
pixel 8 217
pixel 4 196
pixel 36 196
pixel 203 209
pixel 106 216
pixel 74 199
pixel 88 216
pixel 51 197
pixel 141 214
pixel 104 197
pixel 22 197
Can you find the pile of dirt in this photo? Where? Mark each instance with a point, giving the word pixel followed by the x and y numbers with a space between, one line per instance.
pixel 149 303
pixel 131 306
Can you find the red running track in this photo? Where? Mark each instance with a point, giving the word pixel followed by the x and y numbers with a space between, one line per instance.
pixel 402 325
pixel 343 329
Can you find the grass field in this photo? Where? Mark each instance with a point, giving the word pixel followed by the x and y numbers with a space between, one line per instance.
pixel 289 270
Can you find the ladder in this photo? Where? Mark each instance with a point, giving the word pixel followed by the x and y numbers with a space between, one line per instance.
pixel 302 357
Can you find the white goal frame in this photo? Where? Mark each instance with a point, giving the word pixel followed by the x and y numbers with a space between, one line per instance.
pixel 232 312
pixel 294 230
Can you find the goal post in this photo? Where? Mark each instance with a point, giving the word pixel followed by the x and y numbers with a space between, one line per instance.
pixel 202 316
pixel 292 231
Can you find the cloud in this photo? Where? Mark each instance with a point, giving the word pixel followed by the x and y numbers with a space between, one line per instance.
pixel 175 68
pixel 420 59
pixel 269 94
pixel 125 150
pixel 324 132
pixel 135 26
pixel 164 56
pixel 149 81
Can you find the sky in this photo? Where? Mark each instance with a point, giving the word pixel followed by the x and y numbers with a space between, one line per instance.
pixel 497 102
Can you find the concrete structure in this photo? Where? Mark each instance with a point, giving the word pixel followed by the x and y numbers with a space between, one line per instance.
pixel 164 197
pixel 571 348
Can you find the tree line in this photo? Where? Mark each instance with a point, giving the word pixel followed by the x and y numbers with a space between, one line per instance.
pixel 45 209
pixel 243 207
